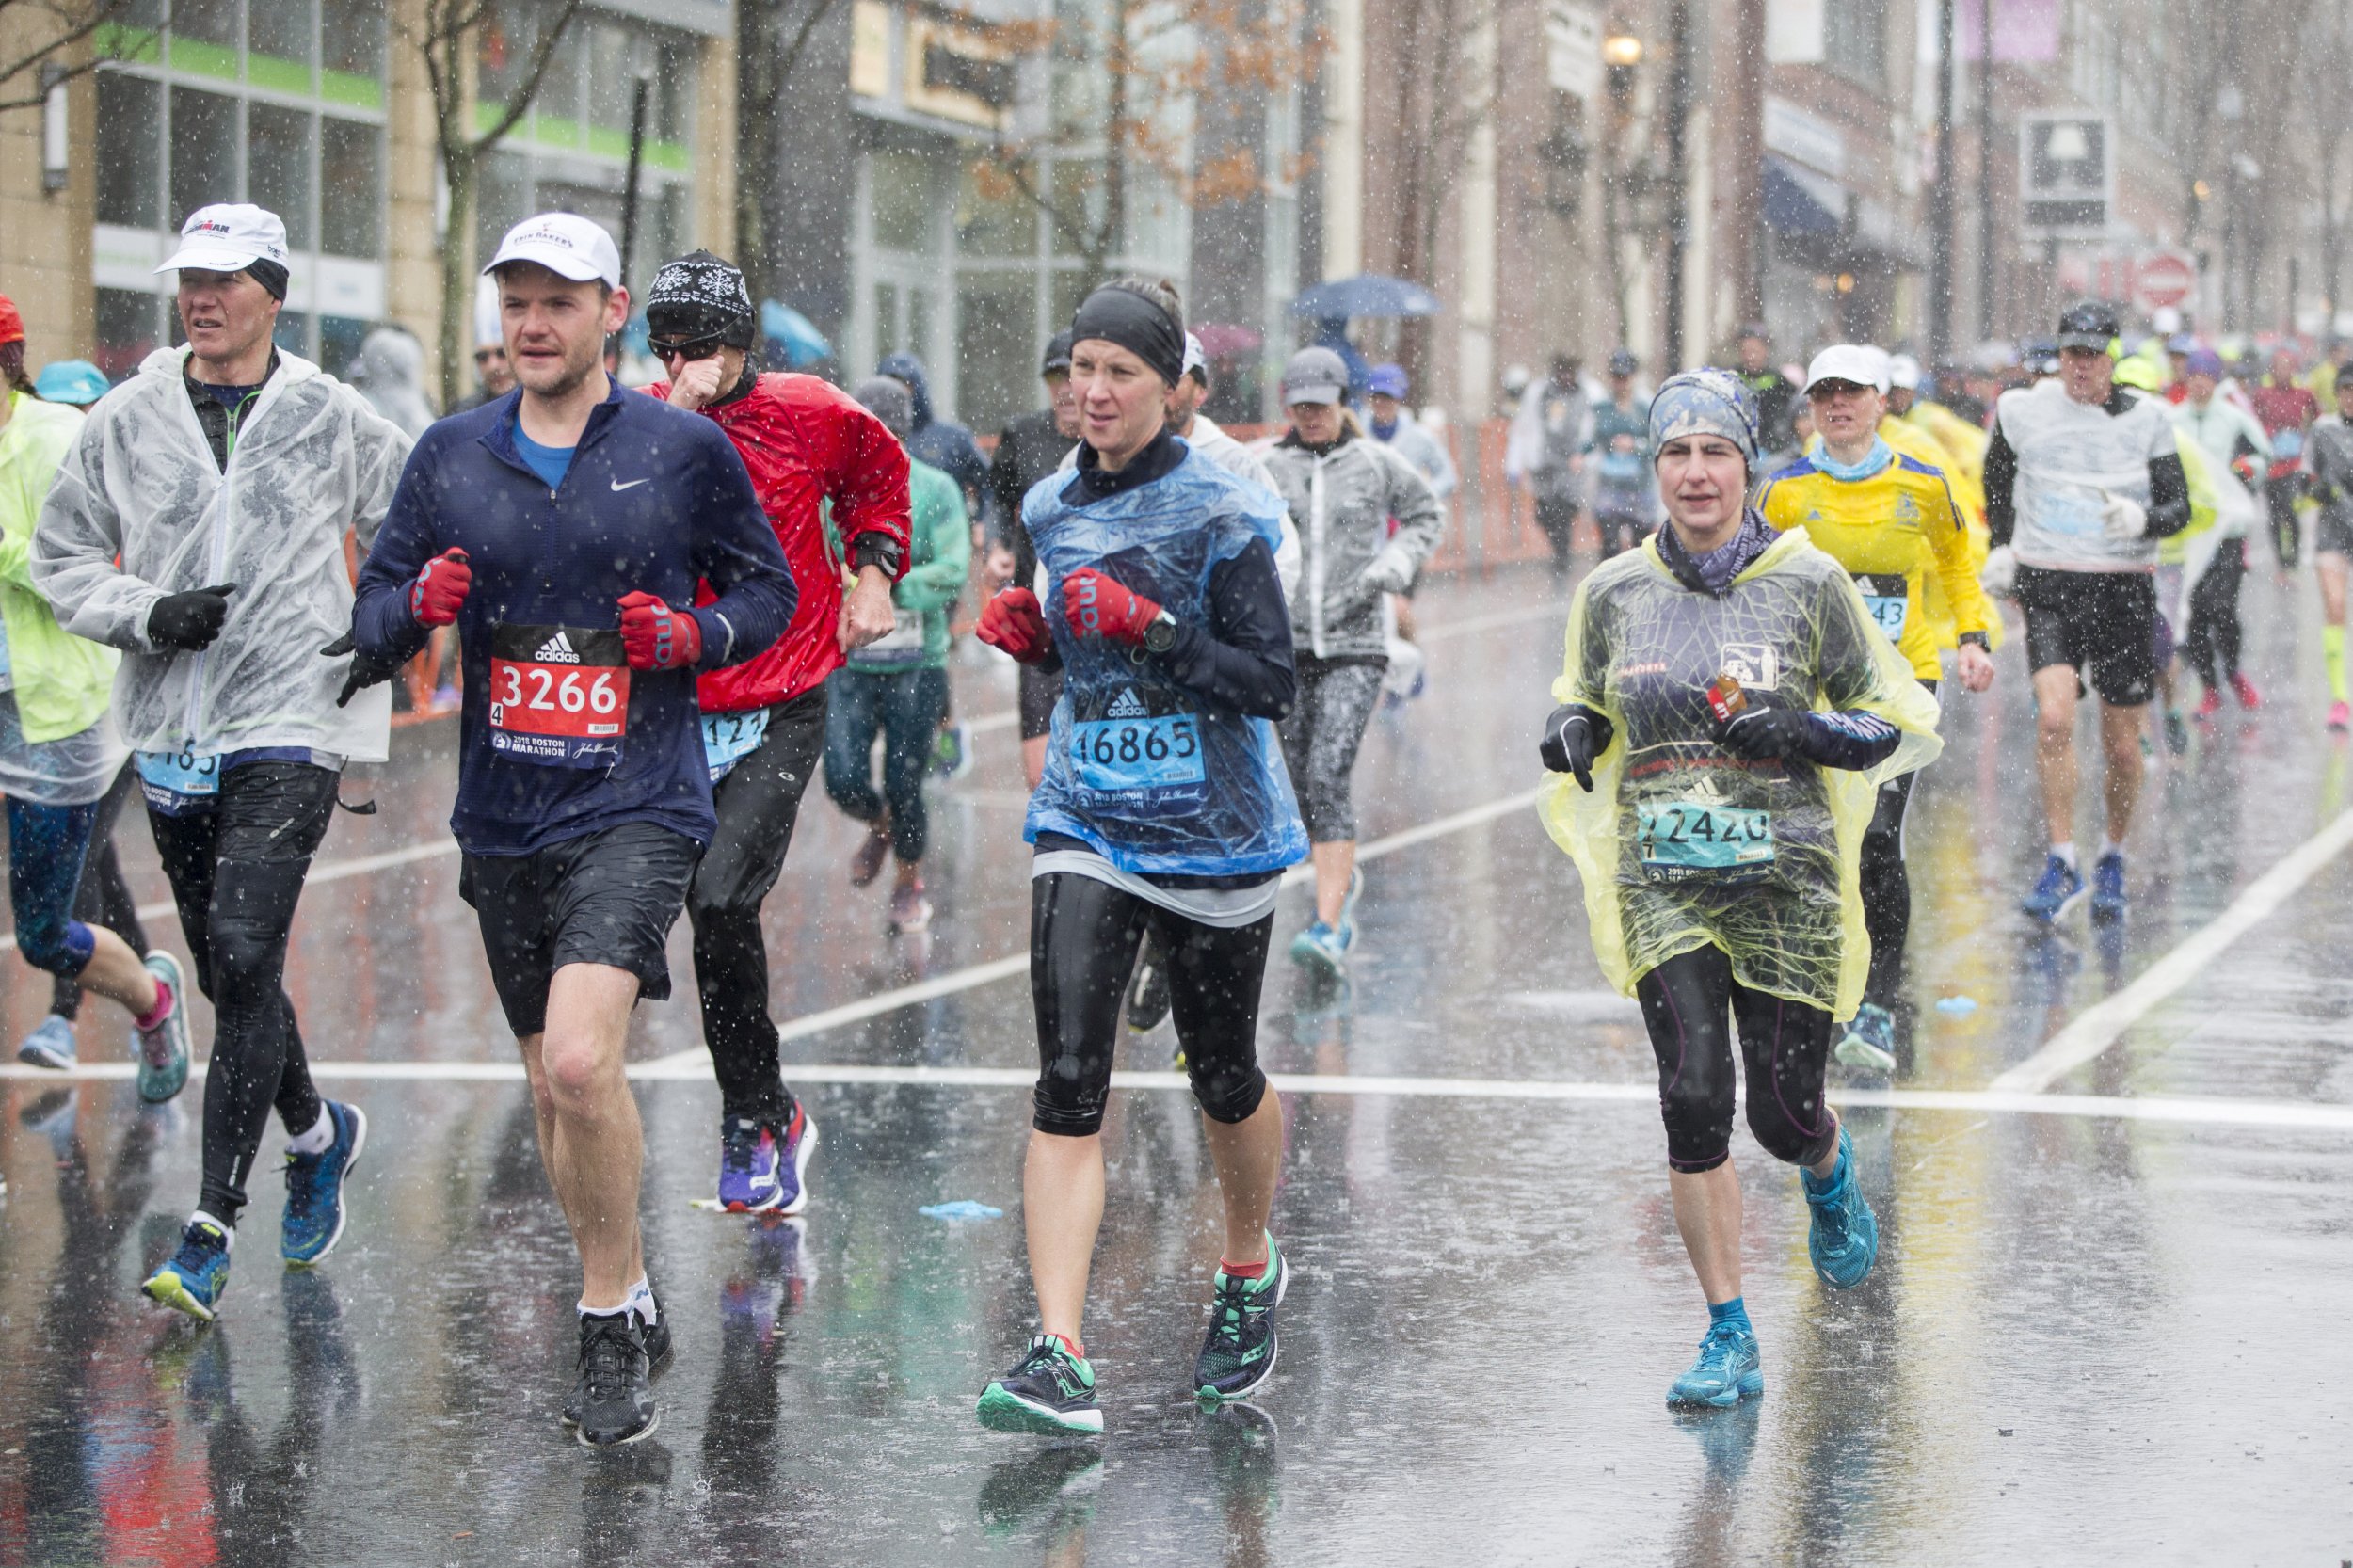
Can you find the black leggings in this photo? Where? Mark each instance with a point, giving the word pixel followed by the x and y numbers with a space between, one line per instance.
pixel 236 872
pixel 1083 946
pixel 1887 885
pixel 2280 504
pixel 759 804
pixel 2212 644
pixel 103 897
pixel 1784 1045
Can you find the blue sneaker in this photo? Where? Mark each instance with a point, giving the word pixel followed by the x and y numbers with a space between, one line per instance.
pixel 2056 894
pixel 747 1167
pixel 1729 1370
pixel 2107 889
pixel 163 1049
pixel 199 1272
pixel 1324 947
pixel 1869 1043
pixel 793 1149
pixel 50 1045
pixel 1845 1239
pixel 314 1221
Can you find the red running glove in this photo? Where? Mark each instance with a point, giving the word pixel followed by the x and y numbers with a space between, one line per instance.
pixel 439 589
pixel 656 637
pixel 1013 623
pixel 1096 605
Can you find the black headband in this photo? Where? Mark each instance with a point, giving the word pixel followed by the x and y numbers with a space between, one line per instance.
pixel 1135 321
pixel 270 276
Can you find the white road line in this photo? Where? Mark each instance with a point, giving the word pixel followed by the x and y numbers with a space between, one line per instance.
pixel 2293 1115
pixel 2100 1025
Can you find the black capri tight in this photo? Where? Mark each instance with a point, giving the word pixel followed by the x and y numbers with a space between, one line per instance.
pixel 1691 1004
pixel 1082 947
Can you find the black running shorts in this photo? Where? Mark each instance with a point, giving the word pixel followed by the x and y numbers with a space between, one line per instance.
pixel 2333 531
pixel 2104 623
pixel 607 898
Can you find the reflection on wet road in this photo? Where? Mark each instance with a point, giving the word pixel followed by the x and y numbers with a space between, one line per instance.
pixel 2103 1331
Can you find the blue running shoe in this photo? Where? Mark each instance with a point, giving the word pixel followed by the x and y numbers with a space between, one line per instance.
pixel 1845 1239
pixel 2107 889
pixel 50 1045
pixel 793 1149
pixel 1323 947
pixel 314 1221
pixel 1729 1370
pixel 1051 1393
pixel 747 1167
pixel 199 1272
pixel 2056 894
pixel 1238 1354
pixel 1869 1043
pixel 163 1049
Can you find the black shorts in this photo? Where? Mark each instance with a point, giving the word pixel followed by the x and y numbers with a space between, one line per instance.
pixel 2332 530
pixel 2104 623
pixel 1040 690
pixel 605 898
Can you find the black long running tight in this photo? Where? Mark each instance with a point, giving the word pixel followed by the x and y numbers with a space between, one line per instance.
pixel 1691 1005
pixel 2212 644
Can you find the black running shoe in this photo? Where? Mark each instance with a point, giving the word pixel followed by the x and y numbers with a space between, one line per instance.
pixel 616 1404
pixel 657 1356
pixel 1051 1392
pixel 1238 1354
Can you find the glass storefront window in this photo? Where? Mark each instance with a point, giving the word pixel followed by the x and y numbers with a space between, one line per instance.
pixel 901 201
pixel 993 217
pixel 351 36
pixel 130 172
pixel 351 186
pixel 130 328
pixel 281 35
pixel 279 165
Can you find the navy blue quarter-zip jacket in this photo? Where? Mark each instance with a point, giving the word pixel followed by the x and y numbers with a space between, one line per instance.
pixel 655 498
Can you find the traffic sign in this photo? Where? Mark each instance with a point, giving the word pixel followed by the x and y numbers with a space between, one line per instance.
pixel 2067 169
pixel 2164 278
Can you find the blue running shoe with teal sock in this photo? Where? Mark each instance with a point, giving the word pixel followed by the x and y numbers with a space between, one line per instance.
pixel 2055 894
pixel 314 1221
pixel 164 1044
pixel 1238 1354
pixel 1729 1369
pixel 1845 1239
pixel 193 1280
pixel 1050 1392
pixel 2107 888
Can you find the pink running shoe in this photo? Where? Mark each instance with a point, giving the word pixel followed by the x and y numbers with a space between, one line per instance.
pixel 2209 705
pixel 2244 690
pixel 2341 717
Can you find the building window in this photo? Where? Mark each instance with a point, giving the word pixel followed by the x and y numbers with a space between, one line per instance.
pixel 1854 40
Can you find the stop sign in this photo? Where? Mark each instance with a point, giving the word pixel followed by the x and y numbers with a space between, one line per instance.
pixel 2164 278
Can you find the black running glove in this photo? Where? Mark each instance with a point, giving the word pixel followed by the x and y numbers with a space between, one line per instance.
pixel 190 620
pixel 1574 736
pixel 1763 734
pixel 366 668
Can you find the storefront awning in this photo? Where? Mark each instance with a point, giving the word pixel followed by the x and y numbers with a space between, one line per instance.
pixel 1794 208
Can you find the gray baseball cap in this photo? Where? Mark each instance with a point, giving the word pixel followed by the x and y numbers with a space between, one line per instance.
pixel 1315 375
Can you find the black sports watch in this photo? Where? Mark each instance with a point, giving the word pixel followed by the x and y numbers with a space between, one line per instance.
pixel 1161 636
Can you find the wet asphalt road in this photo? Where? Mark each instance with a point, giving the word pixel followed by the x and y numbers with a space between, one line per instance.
pixel 2109 1336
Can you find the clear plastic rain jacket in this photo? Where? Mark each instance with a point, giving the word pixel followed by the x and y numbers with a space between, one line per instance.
pixel 1154 777
pixel 312 463
pixel 1681 844
pixel 1342 500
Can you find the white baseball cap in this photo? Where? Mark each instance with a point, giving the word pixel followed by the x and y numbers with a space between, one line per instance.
pixel 1857 363
pixel 566 244
pixel 1903 371
pixel 228 236
pixel 1194 359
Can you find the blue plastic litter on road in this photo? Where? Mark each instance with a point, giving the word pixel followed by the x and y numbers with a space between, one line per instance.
pixel 1958 1006
pixel 962 1208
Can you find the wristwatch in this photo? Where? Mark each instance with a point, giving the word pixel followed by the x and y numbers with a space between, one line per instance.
pixel 1161 636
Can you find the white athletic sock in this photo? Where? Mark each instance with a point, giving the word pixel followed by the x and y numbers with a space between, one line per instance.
pixel 2066 852
pixel 317 1138
pixel 2109 847
pixel 639 1299
pixel 228 1230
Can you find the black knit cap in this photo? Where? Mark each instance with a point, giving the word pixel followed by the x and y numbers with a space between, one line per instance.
pixel 696 299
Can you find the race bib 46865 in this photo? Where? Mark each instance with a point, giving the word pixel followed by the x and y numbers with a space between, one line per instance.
pixel 559 695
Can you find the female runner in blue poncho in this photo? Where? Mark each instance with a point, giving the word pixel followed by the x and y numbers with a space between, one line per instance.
pixel 1729 712
pixel 1165 807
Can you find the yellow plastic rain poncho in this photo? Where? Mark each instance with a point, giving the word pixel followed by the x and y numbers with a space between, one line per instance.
pixel 1784 903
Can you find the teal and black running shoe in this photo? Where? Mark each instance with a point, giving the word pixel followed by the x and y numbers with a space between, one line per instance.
pixel 1869 1042
pixel 1051 1392
pixel 1845 1241
pixel 314 1221
pixel 1729 1370
pixel 199 1272
pixel 1238 1354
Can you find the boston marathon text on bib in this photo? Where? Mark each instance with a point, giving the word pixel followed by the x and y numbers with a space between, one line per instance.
pixel 1142 745
pixel 1884 596
pixel 559 695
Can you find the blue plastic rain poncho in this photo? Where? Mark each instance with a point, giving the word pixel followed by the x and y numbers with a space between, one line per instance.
pixel 1683 846
pixel 1158 780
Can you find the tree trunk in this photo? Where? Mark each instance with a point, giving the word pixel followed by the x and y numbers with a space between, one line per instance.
pixel 755 140
pixel 459 169
pixel 1113 233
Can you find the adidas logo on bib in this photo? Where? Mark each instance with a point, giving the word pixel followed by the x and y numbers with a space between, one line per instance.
pixel 556 651
pixel 1128 706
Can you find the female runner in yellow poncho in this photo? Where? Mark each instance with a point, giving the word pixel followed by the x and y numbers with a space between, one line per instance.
pixel 1717 824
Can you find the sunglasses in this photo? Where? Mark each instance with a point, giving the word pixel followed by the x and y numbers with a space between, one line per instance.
pixel 686 348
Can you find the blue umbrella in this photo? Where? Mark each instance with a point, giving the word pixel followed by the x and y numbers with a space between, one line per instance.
pixel 802 342
pixel 1367 295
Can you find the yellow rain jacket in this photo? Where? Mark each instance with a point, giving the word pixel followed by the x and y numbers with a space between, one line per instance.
pixel 1775 884
pixel 1936 436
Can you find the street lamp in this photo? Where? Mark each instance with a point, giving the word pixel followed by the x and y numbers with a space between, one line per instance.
pixel 1621 53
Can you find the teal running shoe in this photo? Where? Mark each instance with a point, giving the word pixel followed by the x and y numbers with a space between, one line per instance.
pixel 1238 1354
pixel 314 1221
pixel 199 1272
pixel 1323 947
pixel 1845 1239
pixel 1348 904
pixel 1869 1043
pixel 163 1049
pixel 49 1045
pixel 1050 1392
pixel 1730 1369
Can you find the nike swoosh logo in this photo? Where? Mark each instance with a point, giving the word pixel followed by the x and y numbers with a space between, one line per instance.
pixel 618 487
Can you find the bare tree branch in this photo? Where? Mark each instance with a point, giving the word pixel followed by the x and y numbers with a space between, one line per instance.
pixel 78 28
pixel 519 103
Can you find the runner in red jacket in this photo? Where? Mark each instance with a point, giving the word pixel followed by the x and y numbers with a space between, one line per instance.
pixel 764 720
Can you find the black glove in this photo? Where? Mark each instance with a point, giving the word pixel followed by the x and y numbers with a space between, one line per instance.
pixel 366 668
pixel 1761 734
pixel 190 620
pixel 1574 736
